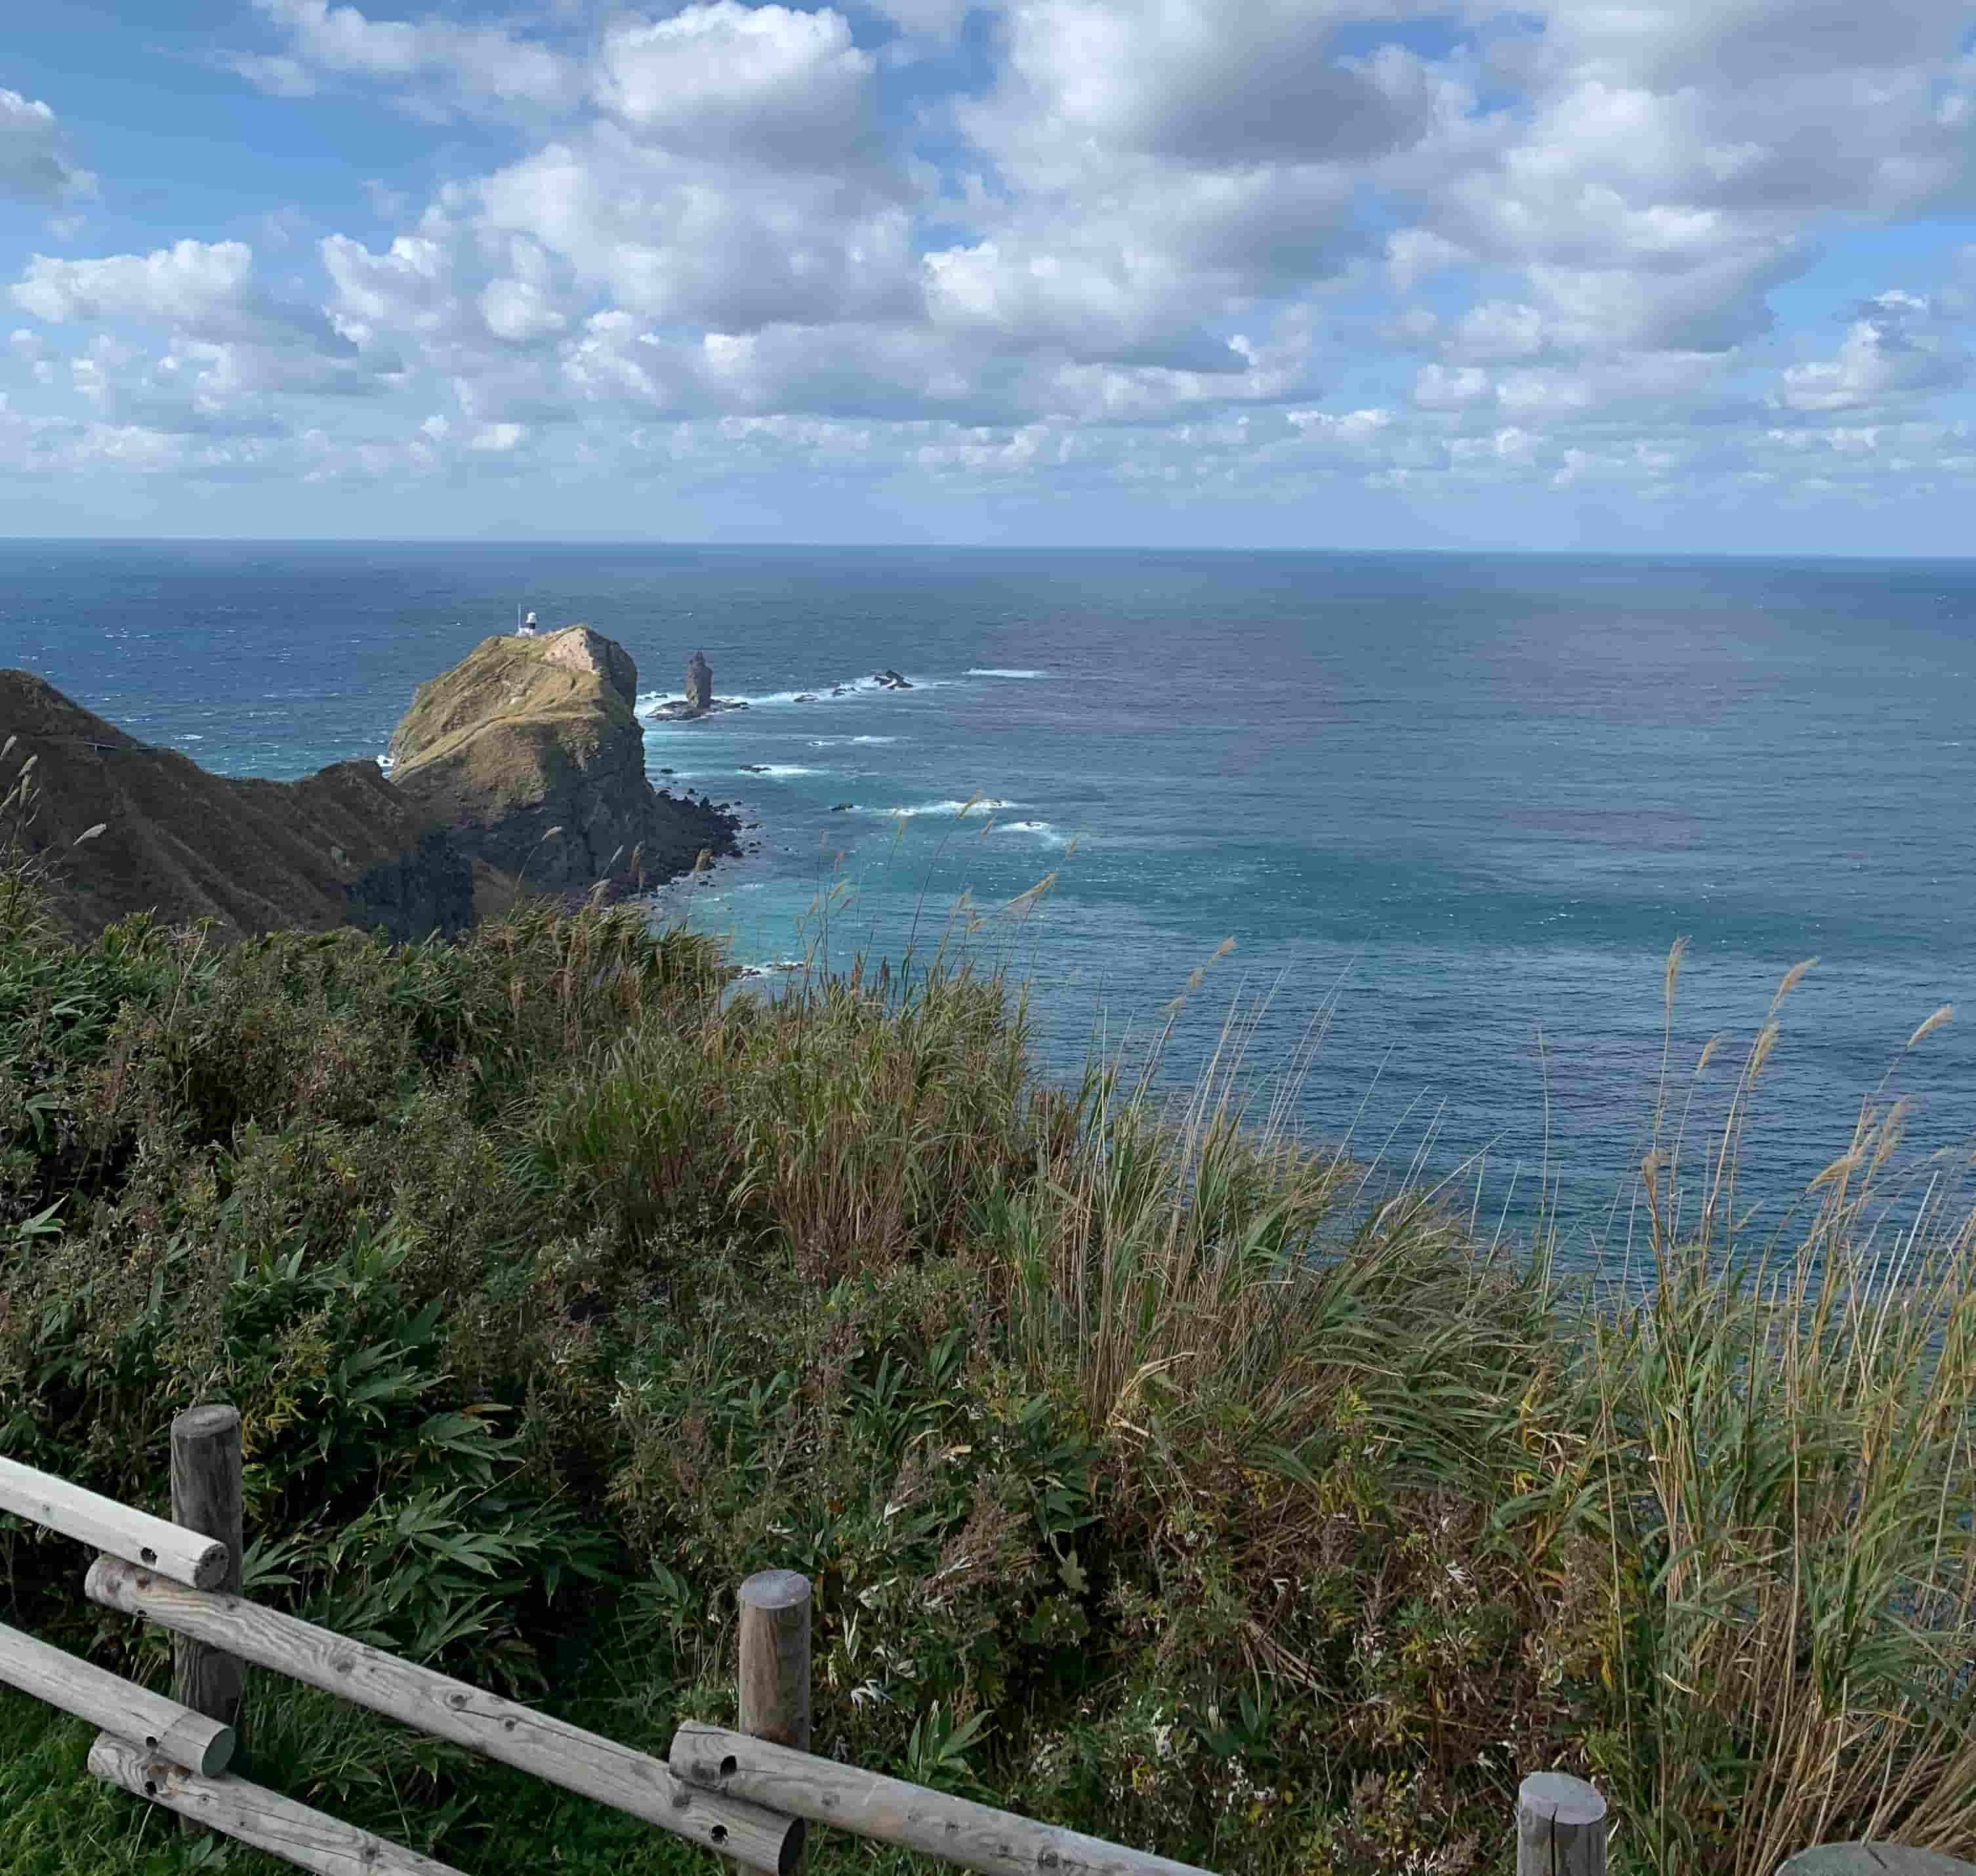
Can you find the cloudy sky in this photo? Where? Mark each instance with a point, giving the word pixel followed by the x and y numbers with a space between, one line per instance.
pixel 1661 273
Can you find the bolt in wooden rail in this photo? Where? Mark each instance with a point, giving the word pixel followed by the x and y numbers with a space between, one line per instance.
pixel 184 1556
pixel 580 1761
pixel 264 1819
pixel 890 1811
pixel 94 1694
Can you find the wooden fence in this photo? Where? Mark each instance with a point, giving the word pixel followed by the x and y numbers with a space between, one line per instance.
pixel 749 1793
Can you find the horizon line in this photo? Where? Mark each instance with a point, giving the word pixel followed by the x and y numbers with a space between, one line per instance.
pixel 982 547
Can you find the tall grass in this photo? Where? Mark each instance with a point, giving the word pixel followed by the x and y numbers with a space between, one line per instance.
pixel 1162 1472
pixel 1732 1517
pixel 1785 1446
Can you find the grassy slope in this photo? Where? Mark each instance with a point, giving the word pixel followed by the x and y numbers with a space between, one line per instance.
pixel 1157 1475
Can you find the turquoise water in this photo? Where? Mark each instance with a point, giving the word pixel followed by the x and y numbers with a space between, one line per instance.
pixel 1452 800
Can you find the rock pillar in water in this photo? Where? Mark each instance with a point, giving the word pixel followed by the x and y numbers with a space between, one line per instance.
pixel 699 682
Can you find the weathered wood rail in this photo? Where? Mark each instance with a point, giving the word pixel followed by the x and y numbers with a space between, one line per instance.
pixel 748 1794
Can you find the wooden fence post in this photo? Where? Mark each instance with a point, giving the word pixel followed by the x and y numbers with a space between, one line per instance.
pixel 775 1658
pixel 206 1498
pixel 1560 1827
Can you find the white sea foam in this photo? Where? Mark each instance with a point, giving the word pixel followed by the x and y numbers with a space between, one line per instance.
pixel 989 671
pixel 191 739
pixel 977 811
pixel 1040 830
pixel 778 769
pixel 836 691
pixel 830 691
pixel 839 742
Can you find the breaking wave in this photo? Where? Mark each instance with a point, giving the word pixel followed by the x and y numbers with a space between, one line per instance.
pixel 651 701
pixel 988 805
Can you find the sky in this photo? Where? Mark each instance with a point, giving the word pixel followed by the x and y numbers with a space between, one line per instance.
pixel 1658 275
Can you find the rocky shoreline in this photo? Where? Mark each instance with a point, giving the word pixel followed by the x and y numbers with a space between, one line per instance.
pixel 522 768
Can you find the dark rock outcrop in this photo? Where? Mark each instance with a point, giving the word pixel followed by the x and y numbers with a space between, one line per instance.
pixel 698 684
pixel 683 710
pixel 527 736
pixel 343 846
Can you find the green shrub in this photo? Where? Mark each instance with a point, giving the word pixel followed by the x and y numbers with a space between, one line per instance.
pixel 1158 1473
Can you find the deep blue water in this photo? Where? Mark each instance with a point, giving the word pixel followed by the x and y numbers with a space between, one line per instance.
pixel 1454 799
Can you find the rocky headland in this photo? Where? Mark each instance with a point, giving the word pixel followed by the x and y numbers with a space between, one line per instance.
pixel 522 736
pixel 527 735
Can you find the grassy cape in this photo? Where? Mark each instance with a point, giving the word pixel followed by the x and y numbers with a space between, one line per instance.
pixel 1160 1475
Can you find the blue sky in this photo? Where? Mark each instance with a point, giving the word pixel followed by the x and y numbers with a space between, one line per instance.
pixel 1689 274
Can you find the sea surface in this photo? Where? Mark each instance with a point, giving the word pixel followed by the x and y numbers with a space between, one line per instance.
pixel 1451 810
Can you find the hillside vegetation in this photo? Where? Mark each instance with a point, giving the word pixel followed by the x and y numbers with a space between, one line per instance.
pixel 1160 1474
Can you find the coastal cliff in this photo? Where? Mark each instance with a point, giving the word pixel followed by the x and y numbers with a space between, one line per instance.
pixel 341 847
pixel 523 736
pixel 526 735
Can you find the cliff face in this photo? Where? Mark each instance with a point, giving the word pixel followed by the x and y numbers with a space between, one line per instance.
pixel 342 846
pixel 527 734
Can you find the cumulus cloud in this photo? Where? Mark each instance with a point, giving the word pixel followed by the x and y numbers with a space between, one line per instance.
pixel 1204 82
pixel 754 84
pixel 33 166
pixel 677 239
pixel 206 287
pixel 1894 351
pixel 191 282
pixel 438 61
pixel 1127 243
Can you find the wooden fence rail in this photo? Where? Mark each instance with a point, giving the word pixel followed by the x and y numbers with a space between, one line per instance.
pixel 264 1819
pixel 748 1794
pixel 186 1556
pixel 454 1710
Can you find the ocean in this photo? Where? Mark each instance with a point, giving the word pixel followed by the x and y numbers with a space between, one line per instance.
pixel 1452 809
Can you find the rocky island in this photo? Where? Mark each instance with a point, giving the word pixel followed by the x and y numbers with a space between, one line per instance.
pixel 699 700
pixel 521 736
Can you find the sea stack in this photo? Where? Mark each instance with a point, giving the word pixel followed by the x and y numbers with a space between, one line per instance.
pixel 698 684
pixel 529 753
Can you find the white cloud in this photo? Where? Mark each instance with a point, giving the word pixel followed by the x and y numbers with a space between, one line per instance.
pixel 440 61
pixel 206 288
pixel 1203 82
pixel 518 310
pixel 1154 245
pixel 754 84
pixel 191 282
pixel 677 239
pixel 33 166
pixel 1892 351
